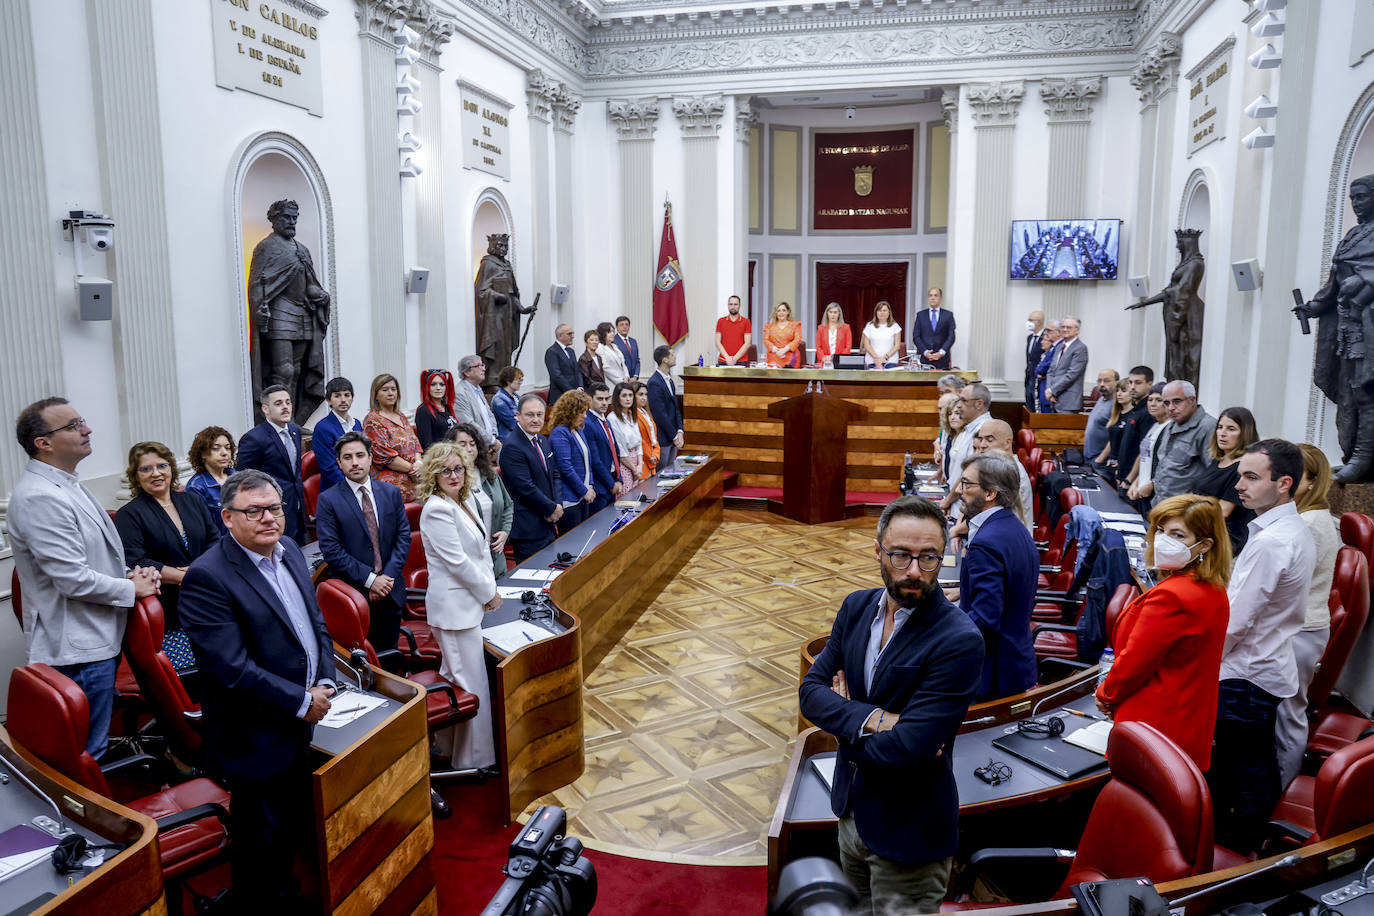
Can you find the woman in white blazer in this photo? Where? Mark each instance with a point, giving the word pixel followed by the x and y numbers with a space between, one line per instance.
pixel 462 587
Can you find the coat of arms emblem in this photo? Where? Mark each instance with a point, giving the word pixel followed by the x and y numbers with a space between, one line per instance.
pixel 863 180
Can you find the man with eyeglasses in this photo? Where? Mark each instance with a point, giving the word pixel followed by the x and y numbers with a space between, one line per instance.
pixel 274 447
pixel 998 575
pixel 893 684
pixel 75 586
pixel 266 667
pixel 1180 450
pixel 974 403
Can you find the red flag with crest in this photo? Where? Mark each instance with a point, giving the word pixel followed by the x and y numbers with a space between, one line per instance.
pixel 670 302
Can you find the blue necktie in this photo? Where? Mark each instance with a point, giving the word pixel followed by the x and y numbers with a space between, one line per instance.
pixel 934 314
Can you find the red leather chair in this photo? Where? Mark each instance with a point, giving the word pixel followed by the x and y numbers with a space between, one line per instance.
pixel 312 500
pixel 1154 818
pixel 49 720
pixel 1334 728
pixel 413 516
pixel 1025 438
pixel 310 465
pixel 157 677
pixel 1339 798
pixel 1357 530
pixel 1061 641
pixel 417 644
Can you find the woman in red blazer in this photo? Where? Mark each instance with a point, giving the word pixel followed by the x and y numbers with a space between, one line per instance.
pixel 833 319
pixel 1168 641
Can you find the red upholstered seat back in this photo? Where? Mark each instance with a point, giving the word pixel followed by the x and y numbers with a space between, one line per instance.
pixel 312 495
pixel 346 616
pixel 16 599
pixel 1154 818
pixel 413 516
pixel 1357 530
pixel 1068 498
pixel 156 675
pixel 415 559
pixel 50 718
pixel 1125 593
pixel 1344 795
pixel 1350 610
pixel 310 465
pixel 1025 439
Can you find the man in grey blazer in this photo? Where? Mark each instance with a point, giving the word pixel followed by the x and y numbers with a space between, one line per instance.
pixel 75 587
pixel 470 405
pixel 1064 381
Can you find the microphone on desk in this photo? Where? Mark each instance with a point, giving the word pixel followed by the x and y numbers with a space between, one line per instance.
pixel 357 662
pixel 1286 862
pixel 1092 673
pixel 61 821
pixel 979 721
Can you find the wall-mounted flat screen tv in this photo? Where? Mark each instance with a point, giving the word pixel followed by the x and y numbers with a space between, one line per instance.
pixel 1064 249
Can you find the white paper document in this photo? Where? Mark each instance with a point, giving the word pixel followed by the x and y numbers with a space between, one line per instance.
pixel 347 706
pixel 534 575
pixel 1092 737
pixel 825 769
pixel 514 635
pixel 510 591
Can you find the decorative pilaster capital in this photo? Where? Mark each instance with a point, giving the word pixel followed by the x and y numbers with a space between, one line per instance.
pixel 700 115
pixel 540 91
pixel 996 104
pixel 949 106
pixel 436 28
pixel 746 118
pixel 1070 99
pixel 634 119
pixel 1156 73
pixel 566 105
pixel 381 18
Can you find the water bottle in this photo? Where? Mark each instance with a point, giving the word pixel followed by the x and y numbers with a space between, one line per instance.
pixel 701 360
pixel 1105 665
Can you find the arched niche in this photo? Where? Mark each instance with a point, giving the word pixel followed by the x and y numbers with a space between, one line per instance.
pixel 1354 158
pixel 269 167
pixel 1197 209
pixel 490 216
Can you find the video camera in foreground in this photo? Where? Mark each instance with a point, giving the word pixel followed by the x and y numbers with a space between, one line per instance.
pixel 546 874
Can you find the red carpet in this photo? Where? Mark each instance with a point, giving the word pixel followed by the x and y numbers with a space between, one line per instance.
pixel 471 847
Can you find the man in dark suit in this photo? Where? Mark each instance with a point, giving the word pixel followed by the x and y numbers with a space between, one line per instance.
pixel 933 331
pixel 627 345
pixel 365 538
pixel 663 406
pixel 339 394
pixel 561 362
pixel 266 663
pixel 998 576
pixel 605 456
pixel 893 685
pixel 1035 331
pixel 530 474
pixel 274 447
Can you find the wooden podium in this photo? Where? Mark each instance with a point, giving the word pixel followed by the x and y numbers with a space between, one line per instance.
pixel 815 433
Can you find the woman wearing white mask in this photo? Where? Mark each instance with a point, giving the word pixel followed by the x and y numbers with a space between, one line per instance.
pixel 1168 641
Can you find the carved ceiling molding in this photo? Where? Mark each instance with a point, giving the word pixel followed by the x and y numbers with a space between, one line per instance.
pixel 634 119
pixel 436 28
pixel 949 105
pixel 381 18
pixel 1070 99
pixel 701 115
pixel 885 46
pixel 1156 72
pixel 566 104
pixel 746 118
pixel 995 104
pixel 539 94
pixel 556 36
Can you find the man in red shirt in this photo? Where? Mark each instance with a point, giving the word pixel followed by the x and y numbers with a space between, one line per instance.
pixel 732 335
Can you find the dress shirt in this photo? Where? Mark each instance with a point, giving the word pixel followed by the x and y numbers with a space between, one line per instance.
pixel 1180 454
pixel 274 570
pixel 358 489
pixel 1095 434
pixel 1147 451
pixel 1027 513
pixel 833 332
pixel 977 521
pixel 284 434
pixel 963 444
pixel 1268 595
pixel 875 636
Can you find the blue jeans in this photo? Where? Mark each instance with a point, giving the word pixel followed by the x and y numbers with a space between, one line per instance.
pixel 96 680
pixel 1244 777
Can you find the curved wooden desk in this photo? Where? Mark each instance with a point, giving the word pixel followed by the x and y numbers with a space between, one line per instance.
pixel 537 691
pixel 127 884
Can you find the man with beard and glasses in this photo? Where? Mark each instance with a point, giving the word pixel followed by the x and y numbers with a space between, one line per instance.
pixel 998 576
pixel 893 684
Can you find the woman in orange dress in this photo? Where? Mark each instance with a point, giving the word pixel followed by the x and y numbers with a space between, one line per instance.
pixel 782 338
pixel 833 336
pixel 395 445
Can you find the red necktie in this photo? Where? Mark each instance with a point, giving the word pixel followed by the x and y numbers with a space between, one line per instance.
pixel 373 534
pixel 615 453
pixel 534 440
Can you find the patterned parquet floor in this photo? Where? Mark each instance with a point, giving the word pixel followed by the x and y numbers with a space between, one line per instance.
pixel 691 717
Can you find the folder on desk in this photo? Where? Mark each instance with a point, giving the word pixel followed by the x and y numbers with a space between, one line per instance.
pixel 22 846
pixel 1051 753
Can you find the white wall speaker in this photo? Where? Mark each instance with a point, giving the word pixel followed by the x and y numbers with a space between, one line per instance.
pixel 417 280
pixel 1138 287
pixel 560 293
pixel 1247 275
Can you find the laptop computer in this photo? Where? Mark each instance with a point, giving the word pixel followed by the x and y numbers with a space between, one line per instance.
pixel 1053 754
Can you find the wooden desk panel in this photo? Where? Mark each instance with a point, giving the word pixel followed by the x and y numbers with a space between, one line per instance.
pixel 1055 431
pixel 727 410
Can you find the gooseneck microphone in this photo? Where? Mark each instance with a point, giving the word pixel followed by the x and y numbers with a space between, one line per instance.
pixel 1287 861
pixel 1088 675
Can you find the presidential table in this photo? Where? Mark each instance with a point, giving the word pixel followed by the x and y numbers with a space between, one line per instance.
pixel 727 410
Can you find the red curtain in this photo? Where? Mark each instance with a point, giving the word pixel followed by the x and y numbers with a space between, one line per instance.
pixel 858 287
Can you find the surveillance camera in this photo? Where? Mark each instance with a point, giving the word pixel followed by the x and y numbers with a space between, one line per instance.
pixel 850 112
pixel 100 238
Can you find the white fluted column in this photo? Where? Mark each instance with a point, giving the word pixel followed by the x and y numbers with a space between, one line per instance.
pixel 566 104
pixel 949 108
pixel 635 121
pixel 540 92
pixel 1069 111
pixel 746 119
pixel 385 249
pixel 994 106
pixel 431 249
pixel 700 119
pixel 1247 219
pixel 129 142
pixel 31 361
